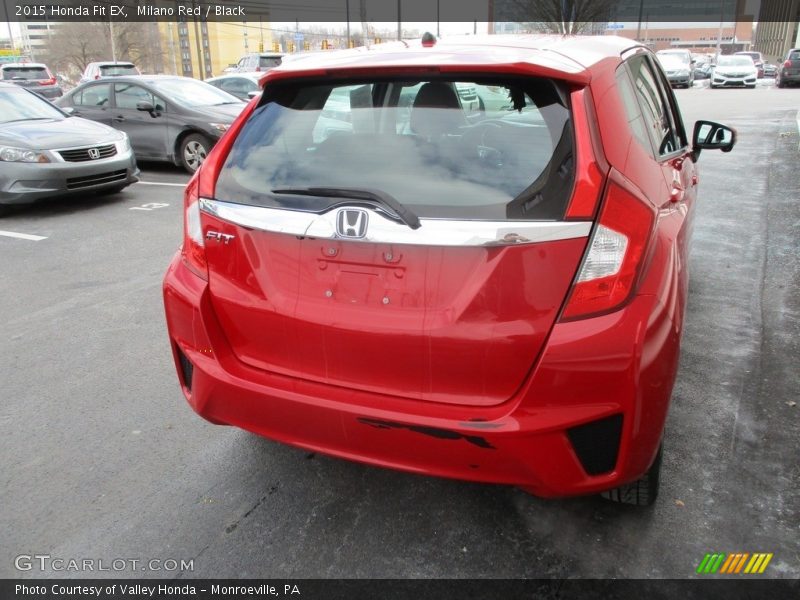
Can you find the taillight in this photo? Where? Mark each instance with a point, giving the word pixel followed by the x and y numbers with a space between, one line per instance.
pixel 787 64
pixel 610 270
pixel 97 76
pixel 51 81
pixel 193 250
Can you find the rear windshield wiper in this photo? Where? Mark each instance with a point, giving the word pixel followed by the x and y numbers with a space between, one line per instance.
pixel 370 195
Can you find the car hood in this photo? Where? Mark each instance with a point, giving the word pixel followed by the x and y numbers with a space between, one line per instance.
pixel 224 113
pixel 52 133
pixel 726 70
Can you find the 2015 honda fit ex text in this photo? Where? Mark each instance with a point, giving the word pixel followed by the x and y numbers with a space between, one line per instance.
pixel 464 259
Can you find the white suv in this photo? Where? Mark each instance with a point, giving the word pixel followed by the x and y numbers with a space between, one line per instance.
pixel 100 70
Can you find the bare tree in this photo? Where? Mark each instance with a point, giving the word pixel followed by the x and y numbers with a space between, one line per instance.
pixel 73 45
pixel 567 17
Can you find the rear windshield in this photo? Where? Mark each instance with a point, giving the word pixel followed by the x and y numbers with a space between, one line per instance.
pixel 117 70
pixel 482 149
pixel 25 73
pixel 794 56
pixel 267 62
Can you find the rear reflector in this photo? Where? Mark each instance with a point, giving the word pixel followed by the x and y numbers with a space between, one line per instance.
pixel 187 369
pixel 597 444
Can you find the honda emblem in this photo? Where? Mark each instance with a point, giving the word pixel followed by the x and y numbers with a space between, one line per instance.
pixel 94 153
pixel 351 223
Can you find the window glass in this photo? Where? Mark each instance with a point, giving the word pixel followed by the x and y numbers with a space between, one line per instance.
pixel 128 95
pixel 18 105
pixel 93 95
pixel 426 143
pixel 117 70
pixel 656 113
pixel 632 110
pixel 25 73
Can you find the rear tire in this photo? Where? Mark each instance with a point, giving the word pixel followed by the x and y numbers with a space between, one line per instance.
pixel 780 84
pixel 642 492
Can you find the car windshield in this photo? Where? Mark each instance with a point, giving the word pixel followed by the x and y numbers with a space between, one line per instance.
pixel 735 61
pixel 502 151
pixel 117 70
pixel 11 73
pixel 18 105
pixel 190 92
pixel 669 61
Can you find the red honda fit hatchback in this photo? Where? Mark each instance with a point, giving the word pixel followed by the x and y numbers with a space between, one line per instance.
pixel 489 288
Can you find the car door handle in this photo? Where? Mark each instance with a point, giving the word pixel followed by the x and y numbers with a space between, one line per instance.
pixel 118 118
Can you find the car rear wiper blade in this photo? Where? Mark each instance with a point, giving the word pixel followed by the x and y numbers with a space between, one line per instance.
pixel 371 195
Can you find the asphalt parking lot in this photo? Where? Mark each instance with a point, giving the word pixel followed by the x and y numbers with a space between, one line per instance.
pixel 103 458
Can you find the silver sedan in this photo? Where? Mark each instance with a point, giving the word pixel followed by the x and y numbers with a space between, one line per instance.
pixel 44 152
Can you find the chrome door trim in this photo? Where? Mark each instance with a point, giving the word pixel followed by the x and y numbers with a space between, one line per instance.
pixel 433 232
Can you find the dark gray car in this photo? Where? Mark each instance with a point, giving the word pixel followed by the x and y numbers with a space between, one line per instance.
pixel 44 152
pixel 168 118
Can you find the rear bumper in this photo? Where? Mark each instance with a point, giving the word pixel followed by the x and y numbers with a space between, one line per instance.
pixel 622 364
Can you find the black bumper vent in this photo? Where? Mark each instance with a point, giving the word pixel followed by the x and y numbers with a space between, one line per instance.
pixel 597 444
pixel 187 369
pixel 76 183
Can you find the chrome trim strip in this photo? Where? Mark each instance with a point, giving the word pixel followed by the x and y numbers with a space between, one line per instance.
pixel 433 232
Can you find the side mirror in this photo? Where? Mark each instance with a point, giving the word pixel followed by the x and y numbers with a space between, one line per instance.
pixel 145 106
pixel 68 109
pixel 252 94
pixel 709 135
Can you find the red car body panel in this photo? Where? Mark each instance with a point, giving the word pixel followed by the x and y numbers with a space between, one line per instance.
pixel 467 371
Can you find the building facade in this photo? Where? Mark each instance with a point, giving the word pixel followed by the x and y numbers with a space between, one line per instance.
pixel 778 29
pixel 202 49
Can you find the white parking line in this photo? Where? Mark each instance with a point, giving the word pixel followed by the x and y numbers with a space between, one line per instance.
pixel 160 183
pixel 23 236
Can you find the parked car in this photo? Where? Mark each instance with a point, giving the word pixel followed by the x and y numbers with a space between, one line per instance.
pixel 242 85
pixel 734 71
pixel 33 76
pixel 100 70
pixel 678 74
pixel 686 59
pixel 259 62
pixel 789 72
pixel 770 70
pixel 498 300
pixel 168 118
pixel 758 60
pixel 46 153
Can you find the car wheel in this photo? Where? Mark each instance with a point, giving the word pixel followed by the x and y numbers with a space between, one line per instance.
pixel 642 492
pixel 194 149
pixel 780 84
pixel 751 87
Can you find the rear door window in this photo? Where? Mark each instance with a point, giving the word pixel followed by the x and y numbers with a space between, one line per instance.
pixel 483 149
pixel 655 108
